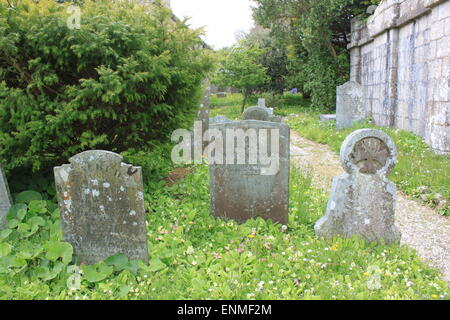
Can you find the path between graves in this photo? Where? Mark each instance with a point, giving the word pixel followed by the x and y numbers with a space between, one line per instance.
pixel 422 228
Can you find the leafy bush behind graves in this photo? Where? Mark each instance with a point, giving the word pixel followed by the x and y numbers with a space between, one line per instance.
pixel 127 78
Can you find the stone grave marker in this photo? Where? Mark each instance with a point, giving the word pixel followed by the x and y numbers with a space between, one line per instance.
pixel 5 198
pixel 256 113
pixel 327 117
pixel 249 189
pixel 362 200
pixel 350 106
pixel 101 201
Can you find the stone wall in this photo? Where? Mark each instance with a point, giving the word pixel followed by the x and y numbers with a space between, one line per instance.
pixel 401 56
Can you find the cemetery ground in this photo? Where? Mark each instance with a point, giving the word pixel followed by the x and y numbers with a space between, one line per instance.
pixel 196 256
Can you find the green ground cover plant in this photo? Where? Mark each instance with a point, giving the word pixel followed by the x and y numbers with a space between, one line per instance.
pixel 196 256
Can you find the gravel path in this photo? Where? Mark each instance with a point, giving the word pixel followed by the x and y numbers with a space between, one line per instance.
pixel 422 228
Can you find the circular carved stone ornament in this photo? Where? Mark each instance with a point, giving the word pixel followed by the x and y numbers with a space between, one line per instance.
pixel 369 152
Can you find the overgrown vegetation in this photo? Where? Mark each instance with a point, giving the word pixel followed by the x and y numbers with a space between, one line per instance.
pixel 196 256
pixel 126 79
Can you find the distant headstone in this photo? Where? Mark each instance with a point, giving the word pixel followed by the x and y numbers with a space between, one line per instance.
pixel 270 111
pixel 256 113
pixel 327 117
pixel 101 201
pixel 362 200
pixel 349 105
pixel 252 189
pixel 261 102
pixel 218 119
pixel 5 198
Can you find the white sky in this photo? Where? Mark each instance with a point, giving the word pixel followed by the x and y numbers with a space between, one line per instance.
pixel 221 18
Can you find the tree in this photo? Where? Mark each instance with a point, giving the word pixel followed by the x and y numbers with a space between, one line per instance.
pixel 241 70
pixel 315 35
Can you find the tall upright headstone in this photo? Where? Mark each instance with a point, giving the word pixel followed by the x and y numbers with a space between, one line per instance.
pixel 5 198
pixel 204 110
pixel 252 186
pixel 362 200
pixel 101 201
pixel 350 106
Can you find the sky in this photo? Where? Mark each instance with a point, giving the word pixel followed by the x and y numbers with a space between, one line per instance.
pixel 222 19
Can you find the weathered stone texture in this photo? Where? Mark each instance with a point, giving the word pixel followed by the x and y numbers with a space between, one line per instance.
pixel 362 201
pixel 102 207
pixel 349 105
pixel 5 198
pixel 401 56
pixel 243 191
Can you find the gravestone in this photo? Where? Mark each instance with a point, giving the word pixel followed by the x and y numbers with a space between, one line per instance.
pixel 249 189
pixel 256 113
pixel 221 94
pixel 273 118
pixel 362 200
pixel 261 102
pixel 101 201
pixel 5 198
pixel 349 105
pixel 219 119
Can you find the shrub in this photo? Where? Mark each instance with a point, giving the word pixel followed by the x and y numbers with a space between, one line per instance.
pixel 128 77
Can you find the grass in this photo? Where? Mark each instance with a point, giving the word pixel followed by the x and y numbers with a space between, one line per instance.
pixel 196 256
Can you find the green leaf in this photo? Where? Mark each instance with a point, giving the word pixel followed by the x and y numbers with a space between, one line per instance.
pixel 56 250
pixel 28 196
pixel 5 249
pixel 96 273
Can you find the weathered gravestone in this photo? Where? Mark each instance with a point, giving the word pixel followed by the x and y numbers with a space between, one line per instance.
pixel 102 207
pixel 362 200
pixel 5 198
pixel 350 106
pixel 261 102
pixel 251 187
pixel 204 111
pixel 327 117
pixel 256 113
pixel 218 119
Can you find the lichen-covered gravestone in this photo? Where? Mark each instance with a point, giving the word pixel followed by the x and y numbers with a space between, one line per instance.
pixel 256 113
pixel 362 200
pixel 350 106
pixel 102 207
pixel 242 190
pixel 5 198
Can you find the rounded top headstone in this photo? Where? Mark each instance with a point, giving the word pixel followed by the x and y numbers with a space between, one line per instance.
pixel 256 113
pixel 368 151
